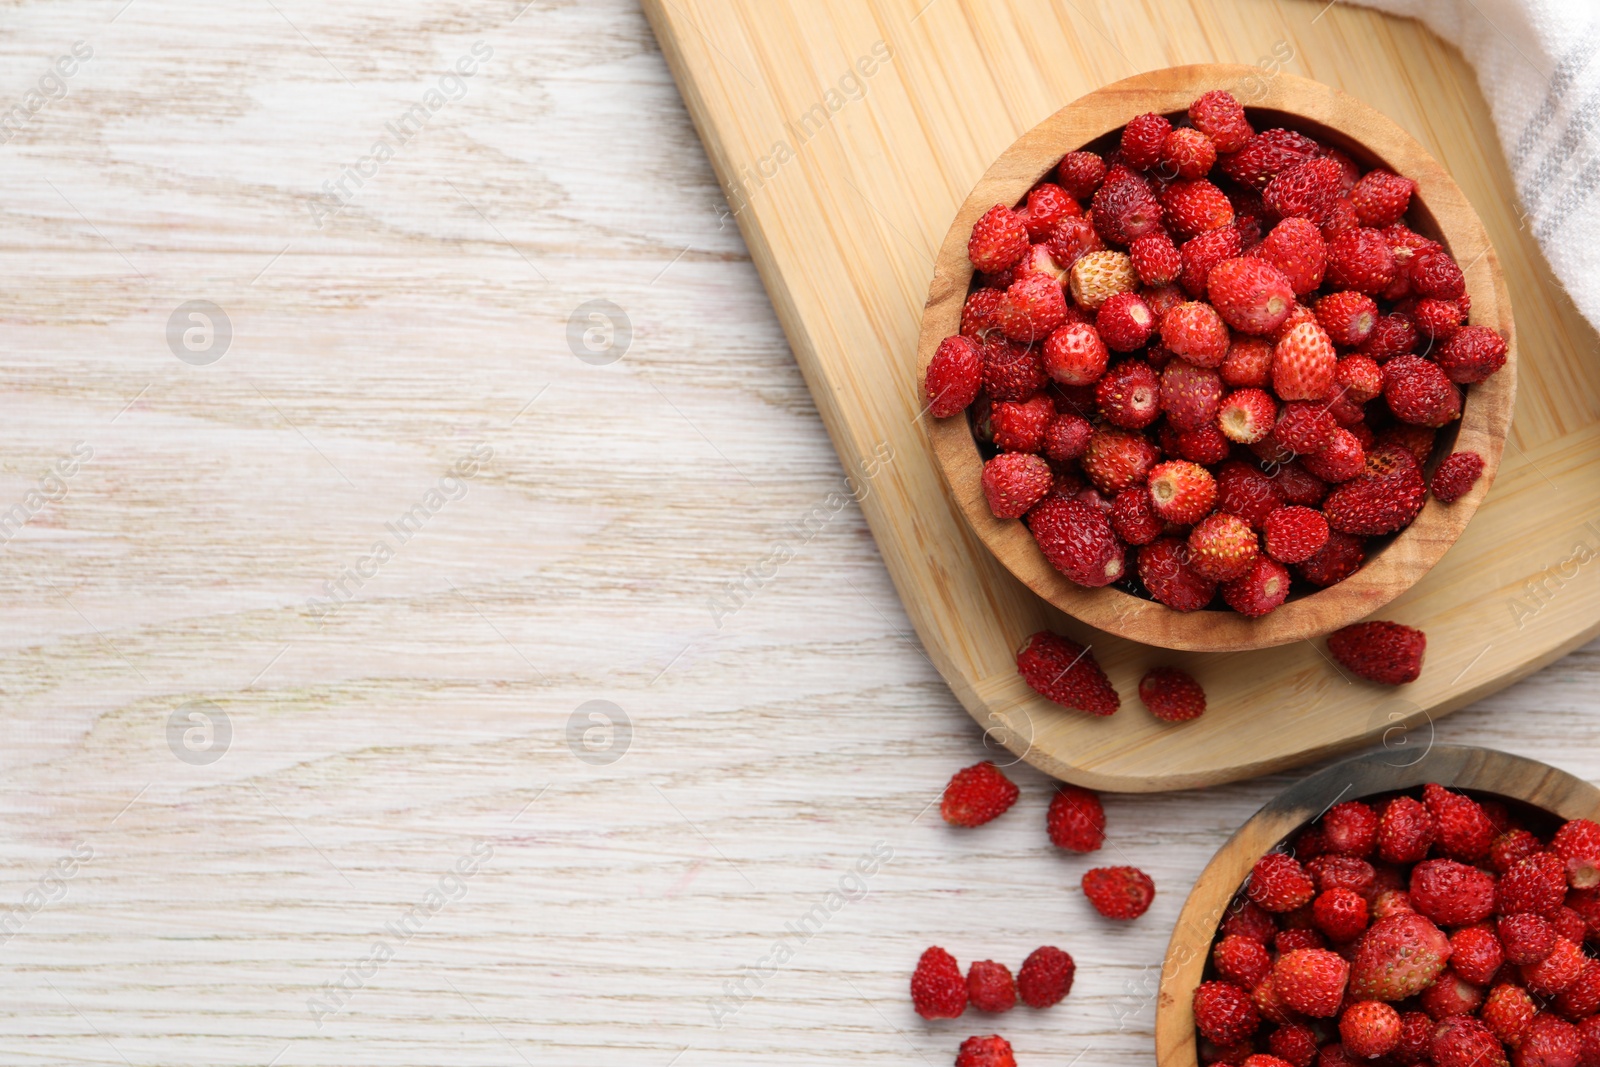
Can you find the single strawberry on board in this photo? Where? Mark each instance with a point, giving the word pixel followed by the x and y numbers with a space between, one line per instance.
pixel 1064 671
pixel 1384 652
pixel 1172 695
pixel 938 991
pixel 990 1051
pixel 977 794
pixel 1121 893
pixel 1046 977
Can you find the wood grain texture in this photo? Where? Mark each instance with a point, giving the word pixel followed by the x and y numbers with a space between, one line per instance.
pixel 844 225
pixel 1439 210
pixel 1474 770
pixel 589 557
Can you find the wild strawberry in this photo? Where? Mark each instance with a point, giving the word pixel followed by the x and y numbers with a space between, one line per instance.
pixel 1200 254
pixel 1187 153
pixel 1032 307
pixel 1066 437
pixel 1133 516
pixel 1224 1013
pixel 1037 261
pixel 1303 363
pixel 1078 540
pixel 1350 829
pixel 1383 499
pixel 1397 957
pixel 1465 832
pixel 1306 191
pixel 1190 395
pixel 1406 830
pixel 1476 954
pixel 1305 427
pixel 1196 333
pixel 1434 274
pixel 1359 377
pixel 1076 820
pixel 1381 198
pixel 1099 276
pixel 1246 492
pixel 1527 938
pixel 1247 415
pixel 1142 139
pixel 954 376
pixel 1261 589
pixel 1299 486
pixel 1266 154
pixel 1507 1011
pixel 1537 884
pixel 990 1051
pixel 990 986
pixel 1205 445
pixel 1311 981
pixel 1248 363
pixel 1383 652
pixel 1182 492
pixel 1418 392
pixel 1297 249
pixel 1220 116
pixel 1064 671
pixel 1369 1028
pixel 977 314
pixel 1011 372
pixel 1577 844
pixel 1222 546
pixel 1294 534
pixel 937 989
pixel 1361 259
pixel 1046 977
pixel 1472 354
pixel 977 794
pixel 1416 1039
pixel 1116 459
pixel 1119 892
pixel 1510 847
pixel 1549 1042
pixel 1437 321
pixel 1171 695
pixel 1165 571
pixel 1156 259
pixel 1073 238
pixel 1124 211
pixel 1348 317
pixel 1129 395
pixel 998 240
pixel 1047 205
pixel 1582 997
pixel 1569 923
pixel 1125 322
pixel 1340 913
pixel 1278 883
pixel 1557 971
pixel 1080 173
pixel 1450 995
pixel 1241 960
pixel 1389 902
pixel 1251 294
pixel 1075 355
pixel 1451 893
pixel 1394 335
pixel 1245 919
pixel 1342 460
pixel 1191 208
pixel 1018 426
pixel 1013 482
pixel 1465 1041
pixel 1295 938
pixel 1270 1005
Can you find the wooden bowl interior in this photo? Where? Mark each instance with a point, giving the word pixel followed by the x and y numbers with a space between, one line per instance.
pixel 1554 795
pixel 1395 562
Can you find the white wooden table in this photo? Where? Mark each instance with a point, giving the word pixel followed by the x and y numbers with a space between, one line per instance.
pixel 272 794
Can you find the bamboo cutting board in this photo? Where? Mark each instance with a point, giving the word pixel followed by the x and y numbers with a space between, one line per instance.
pixel 846 133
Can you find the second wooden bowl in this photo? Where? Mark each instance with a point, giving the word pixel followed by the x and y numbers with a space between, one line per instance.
pixel 1439 210
pixel 1476 770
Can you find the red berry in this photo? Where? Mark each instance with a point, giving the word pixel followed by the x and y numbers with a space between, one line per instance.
pixel 1075 355
pixel 1244 919
pixel 1381 198
pixel 1066 437
pixel 1369 1028
pixel 1116 459
pixel 1241 960
pixel 1246 492
pixel 1011 372
pixel 1013 482
pixel 1078 540
pixel 1247 415
pixel 1418 392
pixel 1537 883
pixel 953 378
pixel 1250 294
pixel 1557 971
pixel 1142 139
pixel 1248 363
pixel 1305 427
pixel 1361 259
pixel 1300 486
pixel 1190 395
pixel 1465 832
pixel 1527 938
pixel 1206 445
pixel 1076 820
pixel 1311 980
pixel 1224 1013
pixel 1098 276
pixel 1191 208
pixel 1182 492
pixel 990 1051
pixel 1434 274
pixel 1582 997
pixel 937 989
pixel 1187 153
pixel 1464 1041
pixel 1133 516
pixel 1046 977
pixel 1450 995
pixel 1033 306
pixel 1073 238
pixel 1125 322
pixel 1119 892
pixel 1294 534
pixel 1080 173
pixel 1296 247
pixel 1348 317
pixel 1383 499
pixel 1405 828
pixel 1303 363
pixel 1019 426
pixel 1047 205
pixel 1577 843
pixel 1220 116
pixel 1342 460
pixel 1195 332
pixel 1451 893
pixel 1266 154
pixel 1064 671
pixel 1222 546
pixel 977 794
pixel 1156 259
pixel 998 240
pixel 1359 377
pixel 1398 957
pixel 1278 883
pixel 1200 254
pixel 1124 211
pixel 1472 354
pixel 1171 695
pixel 1306 191
pixel 1129 395
pixel 1165 571
pixel 1507 1011
pixel 1476 954
pixel 1259 590
pixel 990 987
pixel 1548 1042
pixel 1340 913
pixel 1351 828
pixel 1384 652
pixel 1394 335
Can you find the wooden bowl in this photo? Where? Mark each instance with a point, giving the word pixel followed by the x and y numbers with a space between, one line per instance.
pixel 1438 209
pixel 1478 770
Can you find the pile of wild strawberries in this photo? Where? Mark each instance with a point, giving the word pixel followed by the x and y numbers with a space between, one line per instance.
pixel 1234 360
pixel 1076 822
pixel 1404 931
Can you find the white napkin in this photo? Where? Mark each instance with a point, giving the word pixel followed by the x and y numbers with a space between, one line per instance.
pixel 1538 63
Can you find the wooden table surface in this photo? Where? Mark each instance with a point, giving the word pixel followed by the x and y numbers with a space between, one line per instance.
pixel 308 592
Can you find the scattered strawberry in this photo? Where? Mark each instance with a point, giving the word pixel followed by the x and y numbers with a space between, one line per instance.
pixel 998 240
pixel 1507 1011
pixel 1451 893
pixel 1250 294
pixel 1418 392
pixel 937 989
pixel 953 378
pixel 1577 844
pixel 1464 1041
pixel 1384 652
pixel 1394 335
pixel 1348 317
pixel 1066 437
pixel 1187 153
pixel 1278 883
pixel 1033 306
pixel 1537 884
pixel 1064 671
pixel 1306 191
pixel 1171 695
pixel 1359 377
pixel 1361 259
pixel 1205 445
pixel 1343 459
pixel 1073 238
pixel 977 794
pixel 1045 978
pixel 1341 557
pixel 1119 892
pixel 1244 491
pixel 1248 363
pixel 990 987
pixel 1266 154
pixel 1076 820
pixel 1476 954
pixel 1200 254
pixel 990 1051
pixel 1220 116
pixel 1340 913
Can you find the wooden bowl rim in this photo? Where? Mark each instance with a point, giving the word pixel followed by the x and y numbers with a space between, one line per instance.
pixel 1486 414
pixel 1468 767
